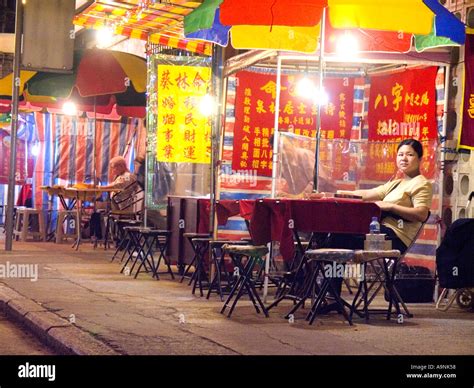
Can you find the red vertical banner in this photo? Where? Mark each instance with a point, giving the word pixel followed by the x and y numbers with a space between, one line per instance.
pixel 466 139
pixel 403 105
pixel 254 118
pixel 5 148
pixel 255 115
pixel 336 116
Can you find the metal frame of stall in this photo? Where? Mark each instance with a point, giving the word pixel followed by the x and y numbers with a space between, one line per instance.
pixel 439 58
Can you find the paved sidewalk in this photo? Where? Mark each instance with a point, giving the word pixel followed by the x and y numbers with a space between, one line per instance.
pixel 20 341
pixel 81 304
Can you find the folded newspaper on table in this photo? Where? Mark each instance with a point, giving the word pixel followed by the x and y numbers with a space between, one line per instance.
pixel 350 196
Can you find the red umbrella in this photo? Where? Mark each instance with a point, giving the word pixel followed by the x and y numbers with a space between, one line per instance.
pixel 100 81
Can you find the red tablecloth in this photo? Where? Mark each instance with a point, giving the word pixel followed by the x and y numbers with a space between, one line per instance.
pixel 274 219
pixel 224 209
pixel 247 207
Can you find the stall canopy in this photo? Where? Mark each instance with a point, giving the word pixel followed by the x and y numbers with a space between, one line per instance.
pixel 101 81
pixel 294 25
pixel 158 22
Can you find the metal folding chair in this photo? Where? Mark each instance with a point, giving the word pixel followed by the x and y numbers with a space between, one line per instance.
pixel 317 259
pixel 245 282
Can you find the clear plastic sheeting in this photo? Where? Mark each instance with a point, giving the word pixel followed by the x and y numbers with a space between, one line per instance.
pixel 170 178
pixel 295 165
pixel 182 179
pixel 343 164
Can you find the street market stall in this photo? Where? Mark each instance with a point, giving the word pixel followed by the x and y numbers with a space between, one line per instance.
pixel 279 26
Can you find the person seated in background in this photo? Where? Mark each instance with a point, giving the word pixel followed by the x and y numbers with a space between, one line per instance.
pixel 121 174
pixel 405 202
pixel 297 168
pixel 297 165
pixel 124 180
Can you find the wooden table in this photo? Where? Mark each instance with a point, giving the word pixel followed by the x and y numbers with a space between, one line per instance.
pixel 80 195
pixel 59 192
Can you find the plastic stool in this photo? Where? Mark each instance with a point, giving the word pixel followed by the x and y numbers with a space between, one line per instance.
pixel 23 222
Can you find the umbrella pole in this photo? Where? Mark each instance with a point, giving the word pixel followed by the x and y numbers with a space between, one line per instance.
pixel 94 170
pixel 276 134
pixel 318 118
pixel 145 189
pixel 26 152
pixel 217 120
pixel 275 165
pixel 15 94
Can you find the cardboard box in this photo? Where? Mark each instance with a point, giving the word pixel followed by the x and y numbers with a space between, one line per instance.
pixel 377 245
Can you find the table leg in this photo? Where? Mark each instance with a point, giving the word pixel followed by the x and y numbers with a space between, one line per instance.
pixel 266 273
pixel 78 225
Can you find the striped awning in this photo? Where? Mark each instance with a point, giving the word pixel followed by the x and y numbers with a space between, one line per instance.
pixel 158 22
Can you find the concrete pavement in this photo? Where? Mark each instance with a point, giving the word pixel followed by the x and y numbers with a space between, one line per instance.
pixel 81 304
pixel 20 341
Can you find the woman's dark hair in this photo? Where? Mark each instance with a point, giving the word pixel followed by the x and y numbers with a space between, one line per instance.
pixel 415 144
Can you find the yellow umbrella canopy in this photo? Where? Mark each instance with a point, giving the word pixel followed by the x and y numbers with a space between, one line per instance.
pixel 6 83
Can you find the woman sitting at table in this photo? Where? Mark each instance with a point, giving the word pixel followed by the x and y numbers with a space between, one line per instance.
pixel 405 202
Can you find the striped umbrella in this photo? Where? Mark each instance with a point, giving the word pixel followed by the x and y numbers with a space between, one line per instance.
pixel 100 81
pixel 294 24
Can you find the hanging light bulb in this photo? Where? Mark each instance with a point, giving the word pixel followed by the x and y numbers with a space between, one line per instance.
pixel 35 149
pixel 69 108
pixel 104 35
pixel 305 88
pixel 207 105
pixel 320 97
pixel 347 46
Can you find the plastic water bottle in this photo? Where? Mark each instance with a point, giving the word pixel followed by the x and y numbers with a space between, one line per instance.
pixel 374 226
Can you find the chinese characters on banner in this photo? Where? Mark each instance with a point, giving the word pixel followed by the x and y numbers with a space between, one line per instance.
pixel 336 116
pixel 255 115
pixel 21 173
pixel 183 133
pixel 466 139
pixel 401 106
pixel 380 160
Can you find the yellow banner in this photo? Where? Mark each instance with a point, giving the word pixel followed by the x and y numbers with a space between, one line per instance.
pixel 183 132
